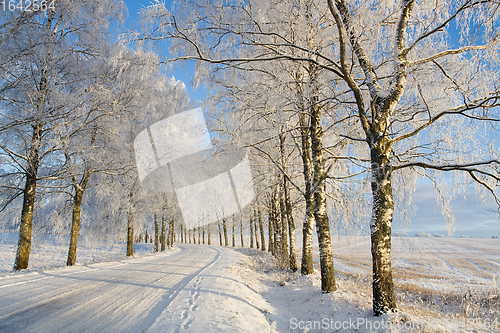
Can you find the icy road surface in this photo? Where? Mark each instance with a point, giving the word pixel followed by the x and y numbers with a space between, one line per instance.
pixel 194 289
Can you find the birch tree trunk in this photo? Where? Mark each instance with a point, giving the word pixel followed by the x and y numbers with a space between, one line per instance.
pixel 255 229
pixel 130 211
pixel 251 231
pixel 241 232
pixel 291 228
pixel 33 161
pixel 328 283
pixel 208 231
pixel 234 237
pixel 163 231
pixel 224 226
pixel 284 226
pixel 270 230
pixel 306 267
pixel 157 229
pixel 287 207
pixel 220 233
pixel 75 221
pixel 384 299
pixel 75 227
pixel 25 229
pixel 277 224
pixel 380 145
pixel 130 233
pixel 171 228
pixel 262 236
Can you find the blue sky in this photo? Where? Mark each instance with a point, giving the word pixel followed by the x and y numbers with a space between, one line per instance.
pixel 472 217
pixel 179 72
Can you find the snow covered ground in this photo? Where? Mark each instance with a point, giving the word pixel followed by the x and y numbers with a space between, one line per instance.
pixel 442 285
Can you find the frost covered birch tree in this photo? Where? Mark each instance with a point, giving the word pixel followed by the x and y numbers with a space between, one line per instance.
pixel 419 102
pixel 88 141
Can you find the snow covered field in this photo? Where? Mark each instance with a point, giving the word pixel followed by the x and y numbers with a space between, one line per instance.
pixel 442 285
pixel 430 262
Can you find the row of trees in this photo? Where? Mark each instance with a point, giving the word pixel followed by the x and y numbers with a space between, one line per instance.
pixel 228 233
pixel 337 99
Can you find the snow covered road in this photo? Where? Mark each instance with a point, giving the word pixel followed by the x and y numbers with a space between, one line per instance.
pixel 196 288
